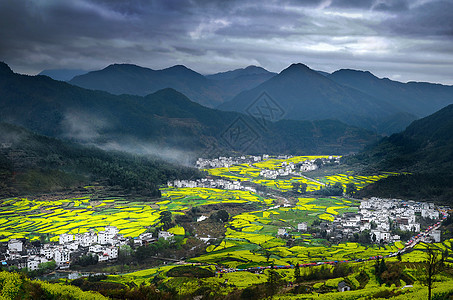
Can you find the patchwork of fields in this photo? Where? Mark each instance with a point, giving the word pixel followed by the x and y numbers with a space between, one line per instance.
pixel 22 217
pixel 253 235
pixel 251 172
pixel 251 238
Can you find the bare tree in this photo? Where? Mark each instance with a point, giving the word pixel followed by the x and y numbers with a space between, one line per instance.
pixel 433 265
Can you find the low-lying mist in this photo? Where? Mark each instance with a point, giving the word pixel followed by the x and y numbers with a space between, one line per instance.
pixel 94 130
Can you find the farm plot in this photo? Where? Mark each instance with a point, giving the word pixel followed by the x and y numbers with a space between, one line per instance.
pixel 22 217
pixel 244 172
pixel 251 238
pixel 251 173
pixel 206 196
pixel 275 163
pixel 359 181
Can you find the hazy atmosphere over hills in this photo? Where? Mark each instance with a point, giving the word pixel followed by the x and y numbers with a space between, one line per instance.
pixel 226 150
pixel 356 97
pixel 165 122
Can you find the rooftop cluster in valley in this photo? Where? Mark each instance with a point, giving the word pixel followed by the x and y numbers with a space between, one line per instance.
pixel 211 183
pixel 103 245
pixel 383 217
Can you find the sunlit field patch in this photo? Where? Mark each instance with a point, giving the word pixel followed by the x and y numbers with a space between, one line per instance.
pixel 257 232
pixel 359 181
pixel 275 163
pixel 37 217
pixel 23 217
pixel 204 196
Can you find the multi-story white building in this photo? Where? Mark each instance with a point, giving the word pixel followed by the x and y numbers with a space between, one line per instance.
pixel 66 238
pixel 62 257
pixel 86 239
pixel 165 235
pixel 281 231
pixel 47 251
pixel 15 245
pixel 106 236
pixel 435 234
pixel 302 226
pixel 34 261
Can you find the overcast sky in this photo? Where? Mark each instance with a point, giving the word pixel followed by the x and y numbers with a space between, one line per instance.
pixel 401 40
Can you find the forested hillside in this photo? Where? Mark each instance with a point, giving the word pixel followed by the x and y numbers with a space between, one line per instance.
pixel 34 163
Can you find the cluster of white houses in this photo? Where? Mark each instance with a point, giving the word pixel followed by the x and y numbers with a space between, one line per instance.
pixel 285 169
pixel 290 168
pixel 103 244
pixel 379 216
pixel 211 183
pixel 225 162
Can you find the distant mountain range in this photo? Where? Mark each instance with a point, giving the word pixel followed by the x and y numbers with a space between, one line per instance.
pixel 209 91
pixel 165 122
pixel 417 98
pixel 304 94
pixel 356 97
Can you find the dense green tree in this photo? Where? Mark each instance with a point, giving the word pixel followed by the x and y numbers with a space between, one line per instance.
pixel 297 272
pixel 296 186
pixel 220 216
pixel 351 189
pixel 273 282
pixel 166 219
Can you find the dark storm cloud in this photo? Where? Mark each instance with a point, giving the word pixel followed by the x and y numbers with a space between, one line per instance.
pixel 211 36
pixel 427 20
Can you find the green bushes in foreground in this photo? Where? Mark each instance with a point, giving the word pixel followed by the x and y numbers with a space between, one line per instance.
pixel 17 286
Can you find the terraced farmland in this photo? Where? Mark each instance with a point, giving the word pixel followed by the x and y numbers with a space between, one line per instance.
pixel 251 235
pixel 22 217
pixel 251 173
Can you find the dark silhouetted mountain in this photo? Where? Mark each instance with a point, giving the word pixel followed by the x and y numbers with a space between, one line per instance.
pixel 417 98
pixel 165 122
pixel 32 163
pixel 62 74
pixel 425 149
pixel 233 82
pixel 210 91
pixel 134 80
pixel 5 70
pixel 248 71
pixel 304 94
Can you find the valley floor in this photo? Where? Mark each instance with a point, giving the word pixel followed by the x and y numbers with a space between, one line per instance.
pixel 272 229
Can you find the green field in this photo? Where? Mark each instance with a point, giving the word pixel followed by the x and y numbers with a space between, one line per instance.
pixel 23 217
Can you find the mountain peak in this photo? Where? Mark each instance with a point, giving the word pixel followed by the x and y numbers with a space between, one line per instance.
pixel 5 69
pixel 181 69
pixel 298 67
pixel 352 72
pixel 178 68
pixel 255 68
pixel 236 73
pixel 122 67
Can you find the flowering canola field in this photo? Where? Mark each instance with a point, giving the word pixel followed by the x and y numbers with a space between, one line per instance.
pixel 251 172
pixel 359 181
pixel 250 235
pixel 23 217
